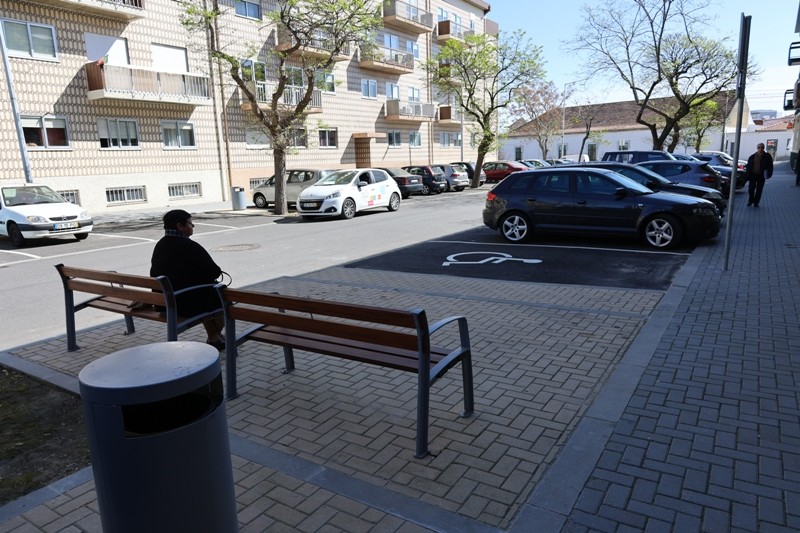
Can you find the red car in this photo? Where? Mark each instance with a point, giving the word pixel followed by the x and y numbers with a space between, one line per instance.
pixel 497 170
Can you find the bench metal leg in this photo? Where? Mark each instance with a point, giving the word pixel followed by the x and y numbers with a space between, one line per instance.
pixel 288 359
pixel 72 343
pixel 231 352
pixel 466 373
pixel 423 404
pixel 129 329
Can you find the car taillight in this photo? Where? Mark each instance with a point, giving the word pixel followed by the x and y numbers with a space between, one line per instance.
pixel 490 196
pixel 709 179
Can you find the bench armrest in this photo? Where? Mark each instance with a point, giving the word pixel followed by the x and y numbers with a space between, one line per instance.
pixel 463 331
pixel 194 288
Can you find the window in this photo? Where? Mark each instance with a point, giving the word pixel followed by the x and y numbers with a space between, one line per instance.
pixel 177 134
pixel 126 195
pixel 45 132
pixel 117 133
pixel 624 145
pixel 298 138
pixel 369 88
pixel 517 153
pixel 391 41
pixel 444 139
pixel 457 139
pixel 185 190
pixel 562 150
pixel 248 9
pixel 474 140
pixel 414 139
pixel 392 91
pixel 253 70
pixel 256 139
pixel 394 138
pixel 441 14
pixel 326 81
pixel 327 138
pixel 412 48
pixel 26 39
pixel 413 94
pixel 457 19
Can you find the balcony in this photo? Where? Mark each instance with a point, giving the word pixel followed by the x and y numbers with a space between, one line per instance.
pixel 319 47
pixel 789 100
pixel 291 97
pixel 445 74
pixel 450 115
pixel 122 82
pixel 447 29
pixel 399 111
pixel 382 59
pixel 117 9
pixel 794 54
pixel 407 18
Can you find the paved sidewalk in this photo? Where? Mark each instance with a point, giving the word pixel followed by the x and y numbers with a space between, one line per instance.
pixel 597 409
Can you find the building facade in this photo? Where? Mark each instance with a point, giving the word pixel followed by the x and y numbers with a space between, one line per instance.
pixel 115 104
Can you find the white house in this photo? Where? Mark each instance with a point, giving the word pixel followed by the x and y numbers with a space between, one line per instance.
pixel 618 129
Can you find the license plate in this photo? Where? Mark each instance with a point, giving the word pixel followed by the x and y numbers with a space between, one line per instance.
pixel 65 225
pixel 413 181
pixel 308 205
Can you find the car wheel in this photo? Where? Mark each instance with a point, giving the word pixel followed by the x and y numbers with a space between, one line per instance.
pixel 260 201
pixel 663 231
pixel 406 196
pixel 459 189
pixel 15 235
pixel 394 202
pixel 81 236
pixel 515 228
pixel 426 190
pixel 348 208
pixel 447 187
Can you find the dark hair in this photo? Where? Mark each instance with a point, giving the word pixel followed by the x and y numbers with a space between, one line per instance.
pixel 175 217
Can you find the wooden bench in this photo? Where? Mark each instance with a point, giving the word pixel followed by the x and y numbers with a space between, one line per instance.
pixel 385 337
pixel 133 296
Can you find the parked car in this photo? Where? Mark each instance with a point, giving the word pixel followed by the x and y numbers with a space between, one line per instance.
pixel 497 170
pixel 37 211
pixel 433 180
pixel 297 180
pixel 408 183
pixel 693 172
pixel 456 176
pixel 658 183
pixel 595 201
pixel 346 192
pixel 470 166
pixel 637 156
pixel 723 163
pixel 535 163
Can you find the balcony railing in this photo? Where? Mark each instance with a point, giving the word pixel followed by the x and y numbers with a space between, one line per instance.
pixel 407 17
pixel 450 115
pixel 376 57
pixel 291 97
pixel 447 29
pixel 398 110
pixel 120 82
pixel 118 9
pixel 320 46
pixel 794 54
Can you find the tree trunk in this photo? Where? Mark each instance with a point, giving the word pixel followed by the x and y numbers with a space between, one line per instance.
pixel 279 161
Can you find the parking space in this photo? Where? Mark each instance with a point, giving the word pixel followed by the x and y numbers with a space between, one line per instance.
pixel 483 254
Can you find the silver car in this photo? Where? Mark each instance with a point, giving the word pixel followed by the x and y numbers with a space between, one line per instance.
pixel 296 181
pixel 456 175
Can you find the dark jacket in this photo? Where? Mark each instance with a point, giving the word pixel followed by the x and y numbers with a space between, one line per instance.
pixel 186 263
pixel 766 165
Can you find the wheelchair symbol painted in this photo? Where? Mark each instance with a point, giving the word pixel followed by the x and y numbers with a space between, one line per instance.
pixel 494 258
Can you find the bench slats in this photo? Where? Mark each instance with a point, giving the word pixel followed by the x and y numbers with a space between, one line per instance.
pixel 135 280
pixel 124 293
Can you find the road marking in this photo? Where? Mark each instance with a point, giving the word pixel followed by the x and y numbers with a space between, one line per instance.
pixel 113 236
pixel 564 247
pixel 495 258
pixel 21 253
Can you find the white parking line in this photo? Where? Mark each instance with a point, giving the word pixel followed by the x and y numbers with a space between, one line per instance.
pixel 664 252
pixel 21 253
pixel 113 236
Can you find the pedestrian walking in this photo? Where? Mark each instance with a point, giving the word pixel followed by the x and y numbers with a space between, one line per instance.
pixel 759 169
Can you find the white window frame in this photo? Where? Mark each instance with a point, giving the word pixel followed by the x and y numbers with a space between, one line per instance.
pixel 394 138
pixel 30 52
pixel 178 126
pixel 624 144
pixel 414 94
pixel 392 91
pixel 369 89
pixel 325 135
pixel 444 139
pixel 441 14
pixel 414 139
pixel 247 4
pixel 41 125
pixel 298 138
pixel 113 129
pixel 457 139
pixel 327 81
pixel 412 48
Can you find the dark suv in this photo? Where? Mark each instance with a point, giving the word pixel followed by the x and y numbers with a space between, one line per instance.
pixel 637 156
pixel 433 180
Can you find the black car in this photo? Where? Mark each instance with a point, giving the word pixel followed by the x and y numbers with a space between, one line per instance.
pixel 409 183
pixel 597 201
pixel 693 172
pixel 658 183
pixel 637 156
pixel 433 180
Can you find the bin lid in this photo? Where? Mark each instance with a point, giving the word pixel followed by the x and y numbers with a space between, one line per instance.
pixel 149 373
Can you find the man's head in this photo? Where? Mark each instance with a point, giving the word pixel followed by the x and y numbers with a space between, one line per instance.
pixel 760 147
pixel 179 220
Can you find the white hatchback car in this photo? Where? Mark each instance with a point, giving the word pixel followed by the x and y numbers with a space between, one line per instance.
pixel 36 211
pixel 346 192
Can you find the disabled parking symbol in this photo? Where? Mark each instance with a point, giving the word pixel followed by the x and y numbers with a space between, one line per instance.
pixel 485 258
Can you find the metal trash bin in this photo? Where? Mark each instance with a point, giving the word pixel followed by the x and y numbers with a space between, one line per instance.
pixel 158 436
pixel 238 198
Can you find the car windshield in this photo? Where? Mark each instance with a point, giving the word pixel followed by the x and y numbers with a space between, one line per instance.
pixel 36 194
pixel 641 175
pixel 341 177
pixel 397 172
pixel 459 168
pixel 633 186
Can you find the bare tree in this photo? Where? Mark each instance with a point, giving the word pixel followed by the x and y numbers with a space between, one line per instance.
pixel 280 82
pixel 584 116
pixel 657 48
pixel 540 105
pixel 488 70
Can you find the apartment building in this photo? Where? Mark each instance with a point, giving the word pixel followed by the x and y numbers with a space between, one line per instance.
pixel 116 105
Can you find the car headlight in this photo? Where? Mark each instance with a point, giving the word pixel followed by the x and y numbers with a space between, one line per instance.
pixel 37 219
pixel 715 195
pixel 705 210
pixel 331 196
pixel 84 215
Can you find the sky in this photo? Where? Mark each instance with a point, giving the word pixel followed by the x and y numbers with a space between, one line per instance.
pixel 771 33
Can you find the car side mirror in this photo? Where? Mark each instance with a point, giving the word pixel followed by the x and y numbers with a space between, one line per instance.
pixel 362 184
pixel 653 185
pixel 621 192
